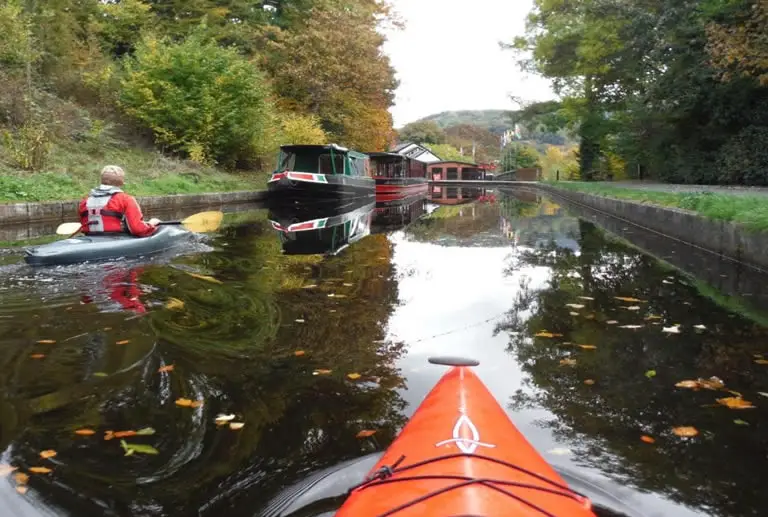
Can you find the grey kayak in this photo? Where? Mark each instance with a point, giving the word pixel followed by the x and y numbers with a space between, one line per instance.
pixel 87 248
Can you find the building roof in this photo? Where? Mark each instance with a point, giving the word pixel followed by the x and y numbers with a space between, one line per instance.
pixel 442 162
pixel 414 153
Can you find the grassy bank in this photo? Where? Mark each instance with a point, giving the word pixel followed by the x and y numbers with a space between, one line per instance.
pixel 74 169
pixel 749 211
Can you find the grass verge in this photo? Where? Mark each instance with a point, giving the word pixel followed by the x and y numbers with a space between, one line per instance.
pixel 749 211
pixel 74 169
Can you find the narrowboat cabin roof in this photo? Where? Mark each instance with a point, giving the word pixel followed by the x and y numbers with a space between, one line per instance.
pixel 315 147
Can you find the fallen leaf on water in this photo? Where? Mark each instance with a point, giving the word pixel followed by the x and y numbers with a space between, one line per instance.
pixel 141 448
pixel 347 285
pixel 735 403
pixel 299 320
pixel 6 469
pixel 331 295
pixel 587 347
pixel 761 361
pixel 37 356
pixel 652 317
pixel 50 453
pixel 107 328
pixel 236 426
pixel 124 434
pixel 671 330
pixel 321 372
pixel 574 305
pixel 650 374
pixel 631 327
pixel 85 432
pixel 713 383
pixel 632 308
pixel 22 489
pixel 762 394
pixel 147 431
pixel 700 327
pixel 688 384
pixel 123 342
pixel 589 382
pixel 188 402
pixel 647 439
pixel 206 278
pixel 108 435
pixel 365 433
pixel 544 334
pixel 567 362
pixel 685 431
pixel 174 304
pixel 353 376
pixel 40 470
pixel 738 421
pixel 47 341
pixel 21 478
pixel 165 369
pixel 310 286
pixel 222 418
pixel 586 298
pixel 299 353
pixel 611 322
pixel 590 316
pixel 101 374
pixel 574 313
pixel 628 300
pixel 559 451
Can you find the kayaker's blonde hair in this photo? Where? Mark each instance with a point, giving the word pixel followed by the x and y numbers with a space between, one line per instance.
pixel 113 175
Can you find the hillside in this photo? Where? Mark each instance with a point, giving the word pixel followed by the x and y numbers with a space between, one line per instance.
pixel 495 121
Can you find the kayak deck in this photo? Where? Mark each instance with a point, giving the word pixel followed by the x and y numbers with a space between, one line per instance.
pixel 86 248
pixel 461 455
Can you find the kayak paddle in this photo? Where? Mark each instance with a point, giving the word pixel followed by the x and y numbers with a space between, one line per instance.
pixel 201 222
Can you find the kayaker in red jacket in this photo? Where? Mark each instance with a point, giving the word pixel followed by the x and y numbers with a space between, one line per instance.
pixel 108 209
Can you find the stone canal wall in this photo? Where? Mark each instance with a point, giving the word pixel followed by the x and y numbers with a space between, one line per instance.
pixel 725 238
pixel 23 213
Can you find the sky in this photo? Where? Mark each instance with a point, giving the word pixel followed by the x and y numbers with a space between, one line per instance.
pixel 448 57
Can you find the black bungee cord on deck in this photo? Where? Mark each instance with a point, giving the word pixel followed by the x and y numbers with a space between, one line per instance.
pixel 385 476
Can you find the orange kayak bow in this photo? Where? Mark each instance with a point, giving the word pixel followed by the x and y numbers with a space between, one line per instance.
pixel 460 455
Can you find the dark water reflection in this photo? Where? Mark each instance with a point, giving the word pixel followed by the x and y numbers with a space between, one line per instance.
pixel 267 319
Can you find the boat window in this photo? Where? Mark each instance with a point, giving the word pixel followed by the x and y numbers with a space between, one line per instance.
pixel 359 166
pixel 326 167
pixel 287 161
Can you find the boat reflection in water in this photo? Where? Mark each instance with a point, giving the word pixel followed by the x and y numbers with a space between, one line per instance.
pixel 443 195
pixel 322 228
pixel 392 215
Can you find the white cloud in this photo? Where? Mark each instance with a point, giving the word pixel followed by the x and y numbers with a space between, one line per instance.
pixel 448 57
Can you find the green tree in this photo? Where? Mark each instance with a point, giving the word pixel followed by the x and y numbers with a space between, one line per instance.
pixel 519 156
pixel 422 132
pixel 448 153
pixel 199 99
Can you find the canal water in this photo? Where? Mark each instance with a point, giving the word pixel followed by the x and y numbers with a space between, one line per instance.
pixel 311 326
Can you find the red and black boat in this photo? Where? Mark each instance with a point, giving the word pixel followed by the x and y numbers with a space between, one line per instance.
pixel 397 176
pixel 317 172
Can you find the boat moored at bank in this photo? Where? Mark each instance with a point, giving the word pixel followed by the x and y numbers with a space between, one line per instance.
pixel 313 172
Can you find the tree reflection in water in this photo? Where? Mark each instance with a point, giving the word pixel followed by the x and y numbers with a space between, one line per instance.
pixel 720 470
pixel 232 335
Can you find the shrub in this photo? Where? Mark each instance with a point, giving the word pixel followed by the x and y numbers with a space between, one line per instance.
pixel 744 158
pixel 28 147
pixel 198 99
pixel 301 129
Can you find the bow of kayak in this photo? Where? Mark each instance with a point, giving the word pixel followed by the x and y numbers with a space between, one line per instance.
pixel 461 455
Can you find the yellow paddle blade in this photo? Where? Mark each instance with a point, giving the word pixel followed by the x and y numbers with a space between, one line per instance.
pixel 203 222
pixel 67 228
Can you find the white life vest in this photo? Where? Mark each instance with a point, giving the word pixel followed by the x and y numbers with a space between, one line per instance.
pixel 94 206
